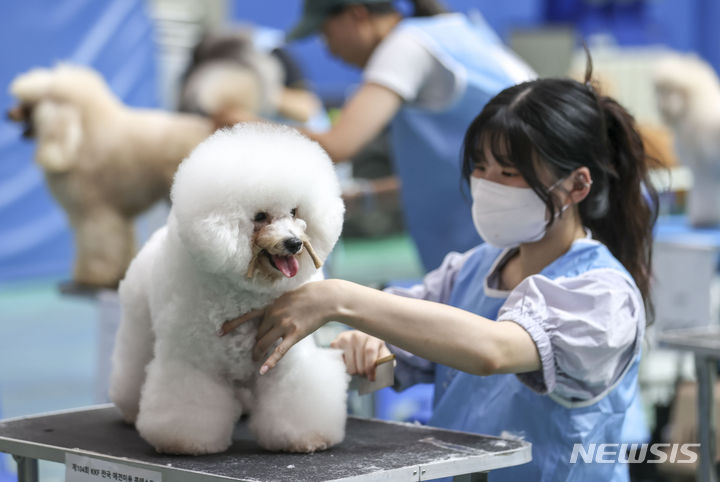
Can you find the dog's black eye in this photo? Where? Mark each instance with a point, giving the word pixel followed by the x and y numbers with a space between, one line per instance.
pixel 260 217
pixel 293 213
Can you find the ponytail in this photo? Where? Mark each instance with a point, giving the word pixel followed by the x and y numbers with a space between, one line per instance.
pixel 627 199
pixel 622 208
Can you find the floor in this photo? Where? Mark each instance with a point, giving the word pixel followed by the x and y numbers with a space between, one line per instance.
pixel 47 355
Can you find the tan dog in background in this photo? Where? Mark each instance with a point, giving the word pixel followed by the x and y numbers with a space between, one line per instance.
pixel 104 163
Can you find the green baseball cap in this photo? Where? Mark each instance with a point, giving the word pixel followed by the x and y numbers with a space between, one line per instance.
pixel 315 12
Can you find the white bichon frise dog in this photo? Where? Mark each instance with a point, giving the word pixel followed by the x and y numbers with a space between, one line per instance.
pixel 256 209
pixel 688 98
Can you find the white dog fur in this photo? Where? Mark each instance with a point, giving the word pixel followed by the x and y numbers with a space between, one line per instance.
pixel 184 386
pixel 688 98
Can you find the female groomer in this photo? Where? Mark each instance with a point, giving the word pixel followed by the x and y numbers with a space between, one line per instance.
pixel 427 76
pixel 538 332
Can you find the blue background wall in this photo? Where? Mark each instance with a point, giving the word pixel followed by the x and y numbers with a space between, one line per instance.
pixel 115 37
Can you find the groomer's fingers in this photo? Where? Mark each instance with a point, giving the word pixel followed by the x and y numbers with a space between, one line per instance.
pixel 230 325
pixel 359 350
pixel 349 357
pixel 277 354
pixel 269 321
pixel 339 344
pixel 348 341
pixel 370 352
pixel 265 343
pixel 350 362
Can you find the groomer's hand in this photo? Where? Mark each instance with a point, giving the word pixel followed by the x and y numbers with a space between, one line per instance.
pixel 360 352
pixel 292 317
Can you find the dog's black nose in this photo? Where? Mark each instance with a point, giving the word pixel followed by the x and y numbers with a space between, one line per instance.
pixel 293 245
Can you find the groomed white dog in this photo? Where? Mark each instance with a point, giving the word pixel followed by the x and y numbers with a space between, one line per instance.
pixel 688 98
pixel 256 210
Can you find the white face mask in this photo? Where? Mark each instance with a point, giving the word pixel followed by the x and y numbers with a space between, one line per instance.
pixel 507 216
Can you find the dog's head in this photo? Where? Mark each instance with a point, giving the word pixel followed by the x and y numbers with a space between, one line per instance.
pixel 258 203
pixel 228 73
pixel 51 106
pixel 683 82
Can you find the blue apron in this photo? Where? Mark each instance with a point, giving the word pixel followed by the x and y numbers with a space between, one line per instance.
pixel 427 143
pixel 501 403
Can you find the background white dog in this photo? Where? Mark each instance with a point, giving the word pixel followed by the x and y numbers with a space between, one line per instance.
pixel 688 98
pixel 256 209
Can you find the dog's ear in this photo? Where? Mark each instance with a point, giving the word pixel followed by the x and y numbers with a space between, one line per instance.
pixel 215 242
pixel 58 129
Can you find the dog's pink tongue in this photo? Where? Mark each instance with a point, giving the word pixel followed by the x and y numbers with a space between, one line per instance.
pixel 288 265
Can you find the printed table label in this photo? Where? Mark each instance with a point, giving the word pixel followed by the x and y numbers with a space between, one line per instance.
pixel 79 468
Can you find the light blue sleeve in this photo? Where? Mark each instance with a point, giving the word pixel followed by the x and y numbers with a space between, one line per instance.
pixel 436 286
pixel 587 329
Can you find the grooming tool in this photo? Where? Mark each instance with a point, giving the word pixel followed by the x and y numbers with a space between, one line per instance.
pixel 384 377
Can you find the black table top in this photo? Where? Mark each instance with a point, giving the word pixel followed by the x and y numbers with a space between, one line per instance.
pixel 372 449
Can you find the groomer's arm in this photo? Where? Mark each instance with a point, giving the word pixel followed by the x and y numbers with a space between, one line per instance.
pixel 434 331
pixel 362 118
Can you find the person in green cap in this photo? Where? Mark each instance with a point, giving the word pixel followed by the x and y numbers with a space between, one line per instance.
pixel 427 76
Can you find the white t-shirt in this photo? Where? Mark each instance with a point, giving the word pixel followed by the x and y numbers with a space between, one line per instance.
pixel 404 65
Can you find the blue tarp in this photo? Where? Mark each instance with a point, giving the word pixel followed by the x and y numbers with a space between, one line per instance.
pixel 116 38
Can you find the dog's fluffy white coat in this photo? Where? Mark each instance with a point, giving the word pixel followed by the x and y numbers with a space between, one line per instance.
pixel 181 384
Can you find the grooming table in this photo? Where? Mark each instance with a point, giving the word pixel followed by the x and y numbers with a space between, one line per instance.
pixel 372 450
pixel 704 343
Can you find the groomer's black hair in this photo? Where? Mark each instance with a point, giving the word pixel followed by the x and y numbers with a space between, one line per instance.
pixel 421 8
pixel 427 8
pixel 560 125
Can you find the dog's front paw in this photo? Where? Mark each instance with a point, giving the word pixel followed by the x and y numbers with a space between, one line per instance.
pixel 129 418
pixel 307 444
pixel 185 433
pixel 181 446
pixel 311 443
pixel 128 409
pixel 167 440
